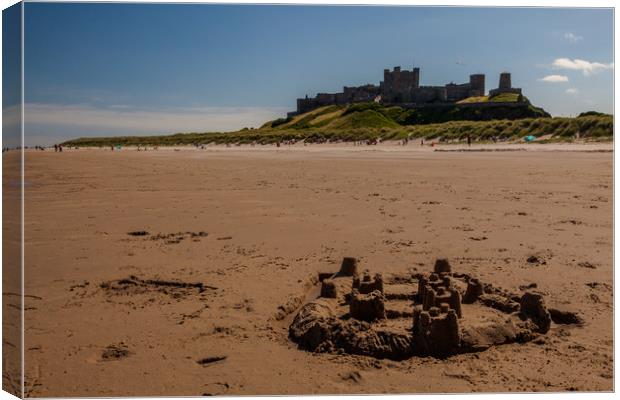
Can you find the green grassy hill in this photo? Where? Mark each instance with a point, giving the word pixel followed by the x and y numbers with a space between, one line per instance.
pixel 374 115
pixel 352 123
pixel 364 121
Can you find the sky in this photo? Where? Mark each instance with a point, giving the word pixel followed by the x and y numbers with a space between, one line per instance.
pixel 125 69
pixel 11 76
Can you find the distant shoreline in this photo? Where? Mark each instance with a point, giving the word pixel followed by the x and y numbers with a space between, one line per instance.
pixel 394 146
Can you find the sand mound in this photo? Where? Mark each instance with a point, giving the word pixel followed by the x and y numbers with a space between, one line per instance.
pixel 115 352
pixel 170 238
pixel 133 286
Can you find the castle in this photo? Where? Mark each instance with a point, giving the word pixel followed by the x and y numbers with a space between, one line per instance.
pixel 402 87
pixel 439 313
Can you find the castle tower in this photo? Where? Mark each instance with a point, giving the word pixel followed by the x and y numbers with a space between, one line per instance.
pixel 476 84
pixel 416 78
pixel 504 80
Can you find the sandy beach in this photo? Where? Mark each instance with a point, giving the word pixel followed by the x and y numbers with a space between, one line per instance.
pixel 248 228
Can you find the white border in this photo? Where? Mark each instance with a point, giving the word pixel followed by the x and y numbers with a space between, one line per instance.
pixel 22 211
pixel 439 3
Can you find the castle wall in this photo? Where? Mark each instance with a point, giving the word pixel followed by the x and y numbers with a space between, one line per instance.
pixel 474 88
pixel 448 106
pixel 495 92
pixel 361 93
pixel 321 100
pixel 305 105
pixel 429 94
pixel 456 92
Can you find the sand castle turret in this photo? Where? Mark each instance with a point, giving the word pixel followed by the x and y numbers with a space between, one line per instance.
pixel 367 284
pixel 328 289
pixel 533 307
pixel 367 307
pixel 436 297
pixel 455 302
pixel 442 266
pixel 437 289
pixel 348 267
pixel 436 331
pixel 473 291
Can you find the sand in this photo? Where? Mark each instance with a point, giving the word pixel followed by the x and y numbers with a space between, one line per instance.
pixel 254 225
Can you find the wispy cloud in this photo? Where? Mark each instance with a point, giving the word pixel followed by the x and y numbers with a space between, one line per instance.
pixel 61 122
pixel 196 119
pixel 11 126
pixel 572 38
pixel 586 67
pixel 554 78
pixel 572 91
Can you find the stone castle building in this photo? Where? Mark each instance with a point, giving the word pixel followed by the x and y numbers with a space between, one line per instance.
pixel 402 87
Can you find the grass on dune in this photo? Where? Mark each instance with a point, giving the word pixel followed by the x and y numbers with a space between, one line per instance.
pixel 589 127
pixel 363 121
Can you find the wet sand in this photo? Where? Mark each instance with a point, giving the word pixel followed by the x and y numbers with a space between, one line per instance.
pixel 253 224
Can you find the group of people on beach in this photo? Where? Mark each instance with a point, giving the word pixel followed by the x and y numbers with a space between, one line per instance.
pixel 145 148
pixel 367 142
pixel 288 142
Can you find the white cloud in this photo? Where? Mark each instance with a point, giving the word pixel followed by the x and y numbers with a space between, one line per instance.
pixel 572 90
pixel 586 67
pixel 571 37
pixel 554 78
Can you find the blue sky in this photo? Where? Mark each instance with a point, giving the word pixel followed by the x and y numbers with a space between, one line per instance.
pixel 96 69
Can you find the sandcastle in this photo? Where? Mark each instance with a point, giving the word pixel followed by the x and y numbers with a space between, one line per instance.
pixel 438 314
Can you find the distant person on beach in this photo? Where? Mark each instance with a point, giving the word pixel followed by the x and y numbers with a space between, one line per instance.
pixel 421 142
pixel 469 140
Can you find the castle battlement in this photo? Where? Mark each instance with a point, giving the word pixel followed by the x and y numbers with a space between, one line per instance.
pixel 400 87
